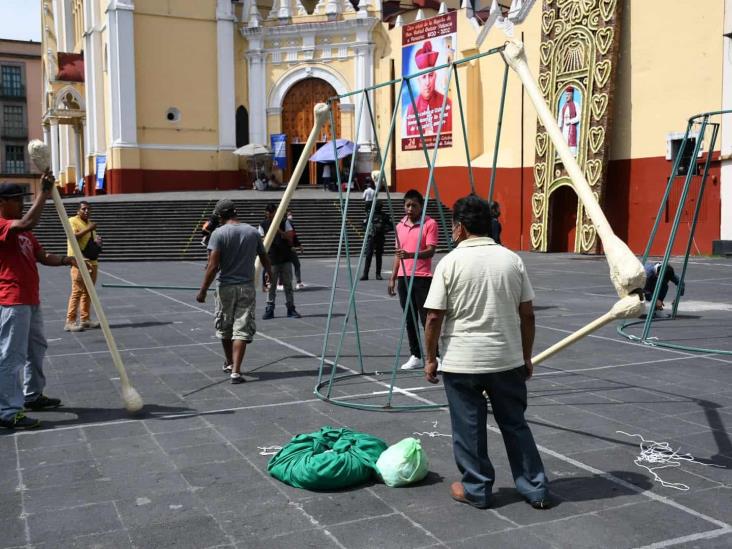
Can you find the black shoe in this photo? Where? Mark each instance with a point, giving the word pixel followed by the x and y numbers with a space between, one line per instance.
pixel 365 277
pixel 20 421
pixel 236 379
pixel 227 368
pixel 268 313
pixel 292 313
pixel 543 503
pixel 378 277
pixel 43 402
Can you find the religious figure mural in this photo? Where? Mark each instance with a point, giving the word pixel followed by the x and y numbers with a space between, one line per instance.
pixel 569 109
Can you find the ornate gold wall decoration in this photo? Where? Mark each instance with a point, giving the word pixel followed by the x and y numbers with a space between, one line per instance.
pixel 578 56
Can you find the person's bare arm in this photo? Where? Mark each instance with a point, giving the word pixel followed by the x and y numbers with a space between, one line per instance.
pixel 528 330
pixel 54 260
pixel 266 265
pixel 391 285
pixel 212 268
pixel 432 329
pixel 33 215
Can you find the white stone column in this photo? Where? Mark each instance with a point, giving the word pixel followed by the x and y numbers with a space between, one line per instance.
pixel 364 78
pixel 225 56
pixel 122 72
pixel 725 189
pixel 78 152
pixel 94 80
pixel 55 164
pixel 47 134
pixel 257 92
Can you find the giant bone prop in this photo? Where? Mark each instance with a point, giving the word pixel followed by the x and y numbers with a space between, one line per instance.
pixel 321 113
pixel 626 272
pixel 38 152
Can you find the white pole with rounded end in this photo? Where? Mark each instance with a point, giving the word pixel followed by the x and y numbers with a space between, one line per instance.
pixel 321 114
pixel 626 272
pixel 627 307
pixel 38 152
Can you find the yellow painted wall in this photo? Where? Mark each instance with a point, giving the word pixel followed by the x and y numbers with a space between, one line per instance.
pixel 176 66
pixel 670 69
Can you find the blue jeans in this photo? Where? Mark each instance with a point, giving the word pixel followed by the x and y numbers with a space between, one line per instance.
pixel 469 414
pixel 22 347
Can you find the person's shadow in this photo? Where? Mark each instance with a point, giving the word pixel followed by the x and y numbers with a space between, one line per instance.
pixel 578 489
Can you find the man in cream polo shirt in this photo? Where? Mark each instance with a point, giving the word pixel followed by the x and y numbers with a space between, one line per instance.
pixel 481 299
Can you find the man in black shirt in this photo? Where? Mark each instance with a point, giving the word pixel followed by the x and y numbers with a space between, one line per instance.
pixel 280 255
pixel 380 225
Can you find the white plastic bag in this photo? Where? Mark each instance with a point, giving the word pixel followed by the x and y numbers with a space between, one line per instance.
pixel 403 463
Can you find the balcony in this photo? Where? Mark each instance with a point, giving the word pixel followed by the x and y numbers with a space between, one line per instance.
pixel 12 92
pixel 14 132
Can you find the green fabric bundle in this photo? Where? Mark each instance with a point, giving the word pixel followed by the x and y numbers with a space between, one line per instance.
pixel 403 463
pixel 327 459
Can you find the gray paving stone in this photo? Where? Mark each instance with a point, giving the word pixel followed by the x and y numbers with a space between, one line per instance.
pixel 54 456
pixel 60 525
pixel 68 495
pixel 160 509
pixel 60 474
pixel 119 430
pixel 44 439
pixel 514 538
pixel 128 446
pixel 110 540
pixel 314 539
pixel 193 533
pixel 183 439
pixel 345 506
pixel 389 531
pixel 204 453
pixel 13 531
pixel 252 523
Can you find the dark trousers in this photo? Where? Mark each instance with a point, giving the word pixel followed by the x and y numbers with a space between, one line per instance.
pixel 468 414
pixel 374 245
pixel 420 289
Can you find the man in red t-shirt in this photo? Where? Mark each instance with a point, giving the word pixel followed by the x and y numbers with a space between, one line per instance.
pixel 22 343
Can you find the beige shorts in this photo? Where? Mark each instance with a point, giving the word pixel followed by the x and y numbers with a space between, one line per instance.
pixel 235 312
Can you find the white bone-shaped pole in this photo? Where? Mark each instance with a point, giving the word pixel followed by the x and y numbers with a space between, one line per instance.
pixel 626 272
pixel 321 116
pixel 629 306
pixel 38 151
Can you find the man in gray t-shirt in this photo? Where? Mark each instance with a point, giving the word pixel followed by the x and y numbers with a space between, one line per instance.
pixel 234 248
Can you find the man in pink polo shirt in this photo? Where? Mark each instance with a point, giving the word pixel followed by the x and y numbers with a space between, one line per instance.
pixel 408 242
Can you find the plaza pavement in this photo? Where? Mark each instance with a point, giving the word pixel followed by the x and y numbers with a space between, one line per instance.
pixel 189 470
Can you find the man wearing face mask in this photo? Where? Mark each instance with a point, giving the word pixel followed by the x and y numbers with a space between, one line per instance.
pixel 482 296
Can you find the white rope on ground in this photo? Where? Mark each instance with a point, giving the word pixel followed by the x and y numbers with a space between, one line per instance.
pixel 268 450
pixel 433 434
pixel 655 456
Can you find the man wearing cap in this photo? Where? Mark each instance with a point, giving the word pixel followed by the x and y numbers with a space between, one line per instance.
pixel 22 342
pixel 569 120
pixel 429 102
pixel 233 249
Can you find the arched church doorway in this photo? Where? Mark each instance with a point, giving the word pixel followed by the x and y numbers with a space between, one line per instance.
pixel 298 120
pixel 562 219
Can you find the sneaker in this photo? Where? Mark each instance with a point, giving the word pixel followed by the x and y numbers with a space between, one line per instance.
pixel 89 324
pixel 299 286
pixel 20 421
pixel 268 313
pixel 73 327
pixel 280 288
pixel 292 313
pixel 414 363
pixel 364 277
pixel 236 379
pixel 43 402
pixel 227 368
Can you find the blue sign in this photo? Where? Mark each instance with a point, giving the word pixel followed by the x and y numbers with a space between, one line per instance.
pixel 101 169
pixel 279 149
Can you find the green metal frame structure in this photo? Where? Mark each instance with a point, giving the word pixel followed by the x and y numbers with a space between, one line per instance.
pixel 708 125
pixel 327 379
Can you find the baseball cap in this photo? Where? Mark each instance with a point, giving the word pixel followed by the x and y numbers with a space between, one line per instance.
pixel 12 190
pixel 224 205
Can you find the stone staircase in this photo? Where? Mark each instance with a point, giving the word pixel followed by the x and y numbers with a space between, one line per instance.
pixel 170 230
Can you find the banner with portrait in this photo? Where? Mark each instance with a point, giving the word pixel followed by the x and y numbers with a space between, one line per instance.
pixel 425 44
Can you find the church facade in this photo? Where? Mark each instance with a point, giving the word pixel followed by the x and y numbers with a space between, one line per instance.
pixel 155 95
